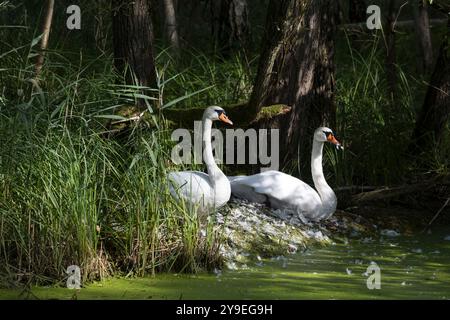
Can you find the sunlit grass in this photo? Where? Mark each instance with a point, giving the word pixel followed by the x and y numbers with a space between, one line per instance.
pixel 71 195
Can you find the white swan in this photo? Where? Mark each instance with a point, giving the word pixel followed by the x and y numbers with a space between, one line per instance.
pixel 283 191
pixel 207 191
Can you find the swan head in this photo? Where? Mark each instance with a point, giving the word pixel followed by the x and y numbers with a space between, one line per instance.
pixel 324 134
pixel 216 113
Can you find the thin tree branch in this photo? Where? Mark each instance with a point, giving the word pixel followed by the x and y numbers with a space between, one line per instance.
pixel 45 35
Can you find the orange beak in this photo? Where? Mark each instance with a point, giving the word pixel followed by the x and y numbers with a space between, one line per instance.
pixel 225 119
pixel 331 138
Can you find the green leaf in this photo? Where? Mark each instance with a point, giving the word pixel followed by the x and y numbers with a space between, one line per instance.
pixel 110 116
pixel 32 55
pixel 36 40
pixel 170 79
pixel 57 109
pixel 186 96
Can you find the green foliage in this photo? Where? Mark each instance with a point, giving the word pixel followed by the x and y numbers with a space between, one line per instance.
pixel 228 81
pixel 71 195
pixel 375 128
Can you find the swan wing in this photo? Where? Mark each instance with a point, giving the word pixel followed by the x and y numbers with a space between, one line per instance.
pixel 273 183
pixel 247 192
pixel 280 189
pixel 192 186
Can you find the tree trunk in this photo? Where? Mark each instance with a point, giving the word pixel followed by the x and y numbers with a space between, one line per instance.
pixel 133 43
pixel 391 60
pixel 297 69
pixel 103 8
pixel 230 28
pixel 357 11
pixel 435 112
pixel 171 25
pixel 45 35
pixel 423 35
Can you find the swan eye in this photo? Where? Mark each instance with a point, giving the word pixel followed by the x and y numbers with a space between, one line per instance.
pixel 219 112
pixel 327 133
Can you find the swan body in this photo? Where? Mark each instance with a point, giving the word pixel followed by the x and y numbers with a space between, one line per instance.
pixel 207 191
pixel 282 191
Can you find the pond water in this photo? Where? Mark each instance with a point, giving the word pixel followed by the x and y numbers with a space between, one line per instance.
pixel 411 267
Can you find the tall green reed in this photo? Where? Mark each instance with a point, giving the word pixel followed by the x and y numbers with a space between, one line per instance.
pixel 69 195
pixel 375 129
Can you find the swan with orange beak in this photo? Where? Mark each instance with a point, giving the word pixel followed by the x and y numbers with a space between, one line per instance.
pixel 207 191
pixel 285 192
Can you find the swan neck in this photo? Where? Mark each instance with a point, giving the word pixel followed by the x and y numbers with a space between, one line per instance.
pixel 213 170
pixel 316 164
pixel 326 194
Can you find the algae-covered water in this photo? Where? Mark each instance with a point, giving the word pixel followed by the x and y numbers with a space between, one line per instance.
pixel 411 267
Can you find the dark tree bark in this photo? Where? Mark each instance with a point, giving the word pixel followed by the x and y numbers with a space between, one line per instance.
pixel 435 112
pixel 391 57
pixel 45 35
pixel 357 11
pixel 297 69
pixel 423 35
pixel 170 25
pixel 133 43
pixel 103 9
pixel 230 25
